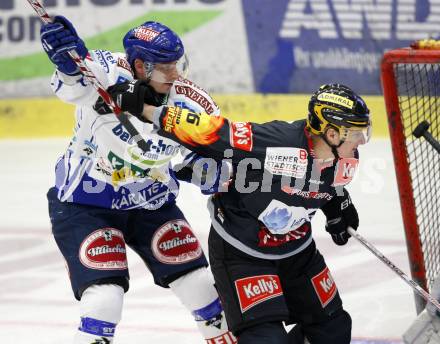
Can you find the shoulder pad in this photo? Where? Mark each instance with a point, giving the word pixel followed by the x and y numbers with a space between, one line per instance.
pixel 123 63
pixel 114 66
pixel 194 97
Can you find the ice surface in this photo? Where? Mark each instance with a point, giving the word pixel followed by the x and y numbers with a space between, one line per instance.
pixel 36 303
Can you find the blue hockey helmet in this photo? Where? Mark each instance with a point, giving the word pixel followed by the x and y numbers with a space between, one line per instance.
pixel 152 42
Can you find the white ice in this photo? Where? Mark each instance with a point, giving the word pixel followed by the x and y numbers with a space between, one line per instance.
pixel 37 306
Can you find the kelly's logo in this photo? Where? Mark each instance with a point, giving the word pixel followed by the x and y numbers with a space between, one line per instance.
pixel 325 286
pixel 256 289
pixel 241 135
pixel 345 171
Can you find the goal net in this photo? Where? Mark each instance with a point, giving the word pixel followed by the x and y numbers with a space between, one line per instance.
pixel 411 87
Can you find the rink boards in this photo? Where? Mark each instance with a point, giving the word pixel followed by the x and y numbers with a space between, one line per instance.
pixel 50 117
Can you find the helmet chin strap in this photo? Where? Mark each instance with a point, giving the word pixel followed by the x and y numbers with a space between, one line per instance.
pixel 148 70
pixel 335 151
pixel 161 98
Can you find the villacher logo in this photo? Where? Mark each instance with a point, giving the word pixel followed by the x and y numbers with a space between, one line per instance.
pixel 175 243
pixel 104 249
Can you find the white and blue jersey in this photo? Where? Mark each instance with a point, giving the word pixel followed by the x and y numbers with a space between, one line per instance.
pixel 102 166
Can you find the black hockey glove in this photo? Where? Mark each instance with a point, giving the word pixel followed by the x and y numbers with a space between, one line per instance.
pixel 131 97
pixel 340 213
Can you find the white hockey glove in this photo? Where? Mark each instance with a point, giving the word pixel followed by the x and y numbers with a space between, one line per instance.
pixel 435 292
pixel 426 328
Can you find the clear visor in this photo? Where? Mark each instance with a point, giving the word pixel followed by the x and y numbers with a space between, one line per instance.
pixel 167 72
pixel 356 135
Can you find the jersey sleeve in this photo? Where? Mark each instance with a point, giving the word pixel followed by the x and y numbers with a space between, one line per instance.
pixel 107 67
pixel 187 95
pixel 216 136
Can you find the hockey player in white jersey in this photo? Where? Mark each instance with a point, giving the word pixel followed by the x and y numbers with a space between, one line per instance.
pixel 109 194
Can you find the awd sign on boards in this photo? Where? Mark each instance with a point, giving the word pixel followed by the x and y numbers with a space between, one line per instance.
pixel 385 19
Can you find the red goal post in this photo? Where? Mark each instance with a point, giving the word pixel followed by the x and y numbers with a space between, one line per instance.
pixel 411 87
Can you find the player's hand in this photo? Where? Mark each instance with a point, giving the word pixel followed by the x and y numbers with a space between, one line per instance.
pixel 341 214
pixel 131 97
pixel 57 39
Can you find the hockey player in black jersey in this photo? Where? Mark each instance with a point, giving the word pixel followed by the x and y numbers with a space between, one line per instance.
pixel 263 257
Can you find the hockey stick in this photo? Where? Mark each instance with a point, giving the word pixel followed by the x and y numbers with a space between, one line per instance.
pixel 88 74
pixel 419 290
pixel 422 130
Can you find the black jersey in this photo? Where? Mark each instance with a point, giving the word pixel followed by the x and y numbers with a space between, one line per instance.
pixel 278 184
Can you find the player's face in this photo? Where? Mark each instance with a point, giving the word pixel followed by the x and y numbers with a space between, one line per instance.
pixel 163 77
pixel 352 138
pixel 164 74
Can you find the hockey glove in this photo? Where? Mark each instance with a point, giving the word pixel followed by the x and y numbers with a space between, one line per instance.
pixel 130 96
pixel 57 39
pixel 340 213
pixel 435 292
